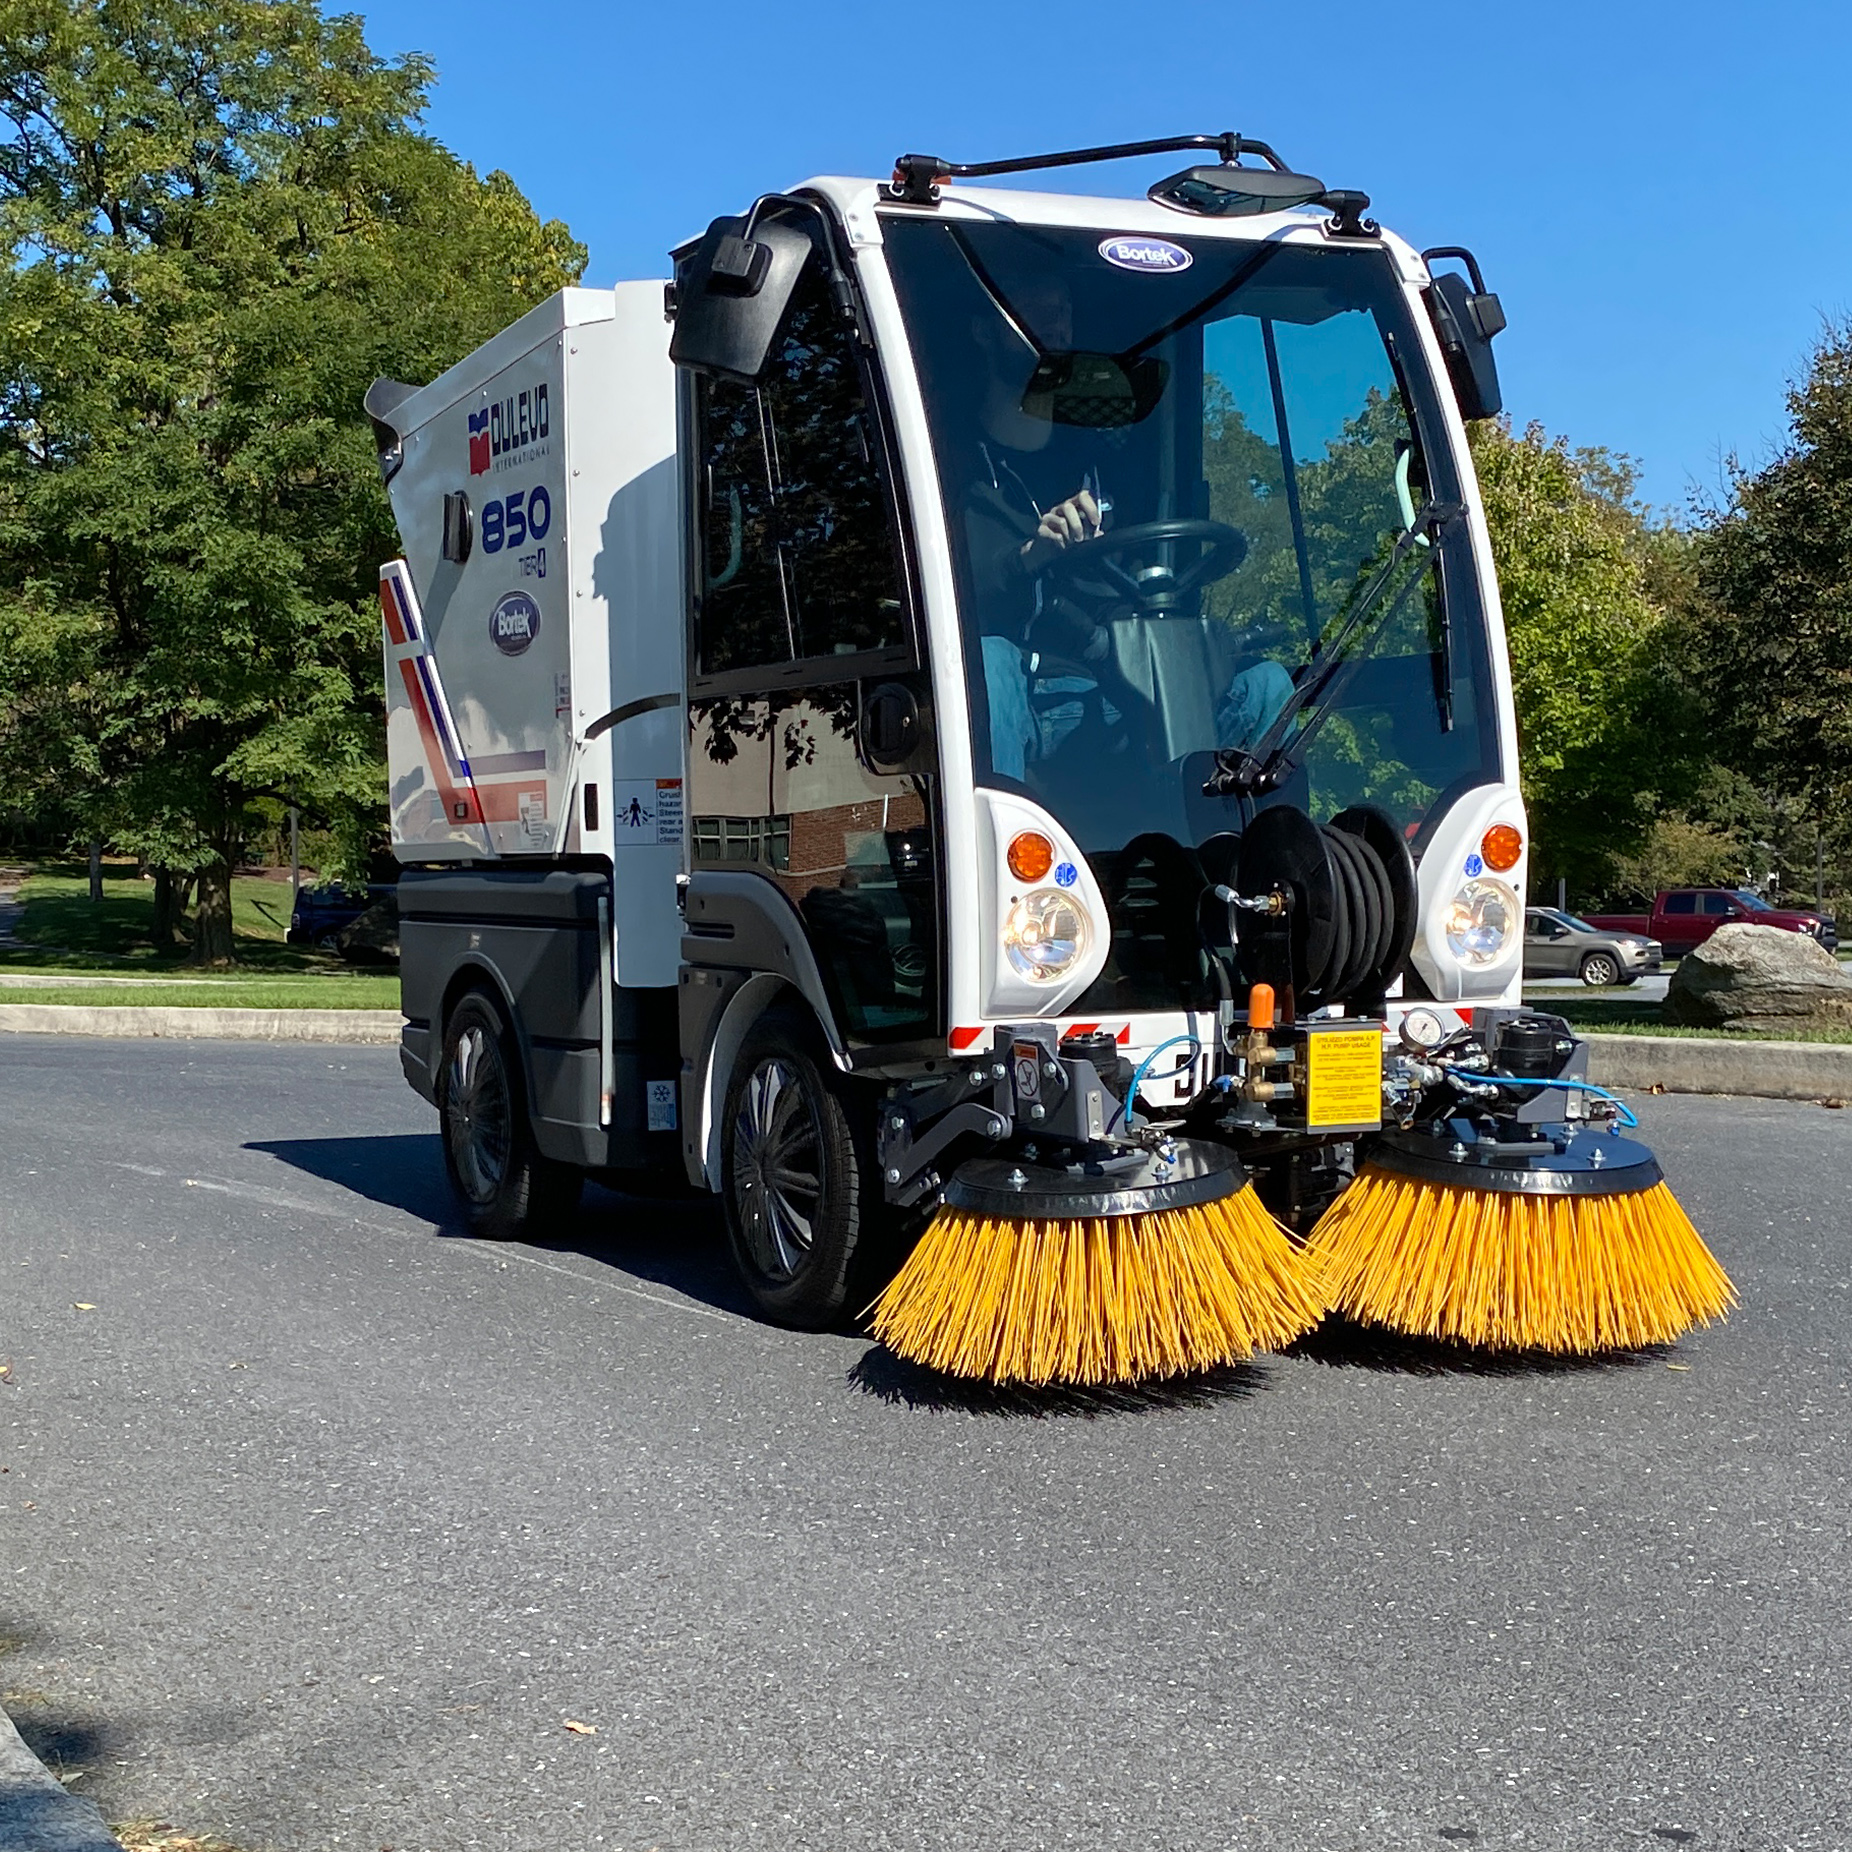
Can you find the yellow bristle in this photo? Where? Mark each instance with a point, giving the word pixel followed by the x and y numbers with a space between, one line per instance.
pixel 1505 1271
pixel 1118 1299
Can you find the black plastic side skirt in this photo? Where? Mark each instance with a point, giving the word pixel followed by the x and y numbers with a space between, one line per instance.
pixel 530 936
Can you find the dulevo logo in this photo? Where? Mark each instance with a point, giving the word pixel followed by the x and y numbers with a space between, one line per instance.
pixel 1149 254
pixel 514 623
pixel 510 430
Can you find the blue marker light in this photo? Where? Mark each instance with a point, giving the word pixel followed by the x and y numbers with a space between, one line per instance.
pixel 1474 866
pixel 1066 875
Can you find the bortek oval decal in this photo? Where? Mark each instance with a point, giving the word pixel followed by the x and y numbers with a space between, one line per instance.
pixel 1152 254
pixel 514 623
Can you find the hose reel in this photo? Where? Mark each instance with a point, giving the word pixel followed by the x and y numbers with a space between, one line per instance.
pixel 1327 912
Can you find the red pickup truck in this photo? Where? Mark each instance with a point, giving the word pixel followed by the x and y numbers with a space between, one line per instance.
pixel 1683 917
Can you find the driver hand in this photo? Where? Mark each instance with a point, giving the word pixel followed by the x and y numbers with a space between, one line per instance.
pixel 1065 525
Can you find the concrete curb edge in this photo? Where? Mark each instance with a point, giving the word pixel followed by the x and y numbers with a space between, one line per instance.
pixel 38 1813
pixel 1679 1064
pixel 1688 1064
pixel 350 1026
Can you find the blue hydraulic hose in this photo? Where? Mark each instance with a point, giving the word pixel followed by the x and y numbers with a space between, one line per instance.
pixel 1628 1121
pixel 1138 1077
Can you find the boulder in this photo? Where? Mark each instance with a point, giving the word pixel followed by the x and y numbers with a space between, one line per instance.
pixel 373 938
pixel 1759 978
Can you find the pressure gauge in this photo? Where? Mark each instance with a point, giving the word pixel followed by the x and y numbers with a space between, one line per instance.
pixel 1422 1030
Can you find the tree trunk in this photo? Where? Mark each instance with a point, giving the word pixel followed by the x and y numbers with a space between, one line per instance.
pixel 169 903
pixel 212 928
pixel 96 868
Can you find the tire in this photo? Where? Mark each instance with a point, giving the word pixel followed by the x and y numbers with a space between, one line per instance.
pixel 804 1216
pixel 509 1192
pixel 1600 970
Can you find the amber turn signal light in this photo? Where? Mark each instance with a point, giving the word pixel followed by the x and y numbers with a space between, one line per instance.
pixel 1501 846
pixel 1031 856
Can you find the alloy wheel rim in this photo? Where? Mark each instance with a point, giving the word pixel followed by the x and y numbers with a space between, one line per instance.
pixel 477 1114
pixel 777 1160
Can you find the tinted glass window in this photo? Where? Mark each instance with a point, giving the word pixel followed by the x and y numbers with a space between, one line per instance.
pixel 1716 903
pixel 1681 903
pixel 797 557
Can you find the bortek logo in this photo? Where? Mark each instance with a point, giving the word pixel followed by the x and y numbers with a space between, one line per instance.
pixel 1146 254
pixel 514 623
pixel 509 430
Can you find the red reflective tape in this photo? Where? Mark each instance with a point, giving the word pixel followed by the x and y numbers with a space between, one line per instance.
pixel 1125 1034
pixel 389 610
pixel 460 802
pixel 963 1038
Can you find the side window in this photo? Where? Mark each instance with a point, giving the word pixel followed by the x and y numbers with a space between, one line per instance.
pixel 1717 904
pixel 798 561
pixel 1681 903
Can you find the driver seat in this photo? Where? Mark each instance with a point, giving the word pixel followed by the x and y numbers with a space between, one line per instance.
pixel 1183 666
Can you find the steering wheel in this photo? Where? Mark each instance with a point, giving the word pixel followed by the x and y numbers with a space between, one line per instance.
pixel 1091 569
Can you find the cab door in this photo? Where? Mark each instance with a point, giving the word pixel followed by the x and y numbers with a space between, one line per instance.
pixel 810 752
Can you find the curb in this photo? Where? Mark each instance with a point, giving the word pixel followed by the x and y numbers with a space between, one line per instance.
pixel 350 1026
pixel 38 1813
pixel 1757 1070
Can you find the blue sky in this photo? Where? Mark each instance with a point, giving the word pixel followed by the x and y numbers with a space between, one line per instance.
pixel 1658 192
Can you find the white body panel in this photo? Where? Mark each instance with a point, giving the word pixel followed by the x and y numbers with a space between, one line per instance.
pixel 561 433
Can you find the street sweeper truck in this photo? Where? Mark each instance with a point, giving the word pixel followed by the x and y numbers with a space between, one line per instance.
pixel 974 726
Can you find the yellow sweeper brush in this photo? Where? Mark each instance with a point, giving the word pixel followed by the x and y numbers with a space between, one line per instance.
pixel 1507 1238
pixel 1109 1269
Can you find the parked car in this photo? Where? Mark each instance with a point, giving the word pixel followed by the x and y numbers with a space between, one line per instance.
pixel 1560 944
pixel 321 912
pixel 1684 917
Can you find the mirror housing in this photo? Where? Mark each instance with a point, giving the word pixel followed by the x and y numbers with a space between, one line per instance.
pixel 1466 317
pixel 732 290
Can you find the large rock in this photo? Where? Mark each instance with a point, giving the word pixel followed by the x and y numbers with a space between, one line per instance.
pixel 1759 977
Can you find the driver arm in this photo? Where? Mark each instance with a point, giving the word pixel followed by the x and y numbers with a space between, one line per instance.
pixel 1065 525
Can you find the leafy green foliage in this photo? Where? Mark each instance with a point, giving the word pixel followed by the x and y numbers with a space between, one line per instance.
pixel 1609 734
pixel 1774 642
pixel 220 222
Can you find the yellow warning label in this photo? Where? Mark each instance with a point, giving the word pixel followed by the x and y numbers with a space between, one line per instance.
pixel 1344 1078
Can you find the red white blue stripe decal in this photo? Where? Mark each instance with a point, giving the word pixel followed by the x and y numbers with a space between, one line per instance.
pixel 425 694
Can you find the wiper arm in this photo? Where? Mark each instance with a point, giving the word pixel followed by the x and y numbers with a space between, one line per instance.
pixel 1270 761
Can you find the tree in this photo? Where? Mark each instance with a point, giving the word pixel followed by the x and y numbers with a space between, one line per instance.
pixel 1774 642
pixel 221 220
pixel 1610 735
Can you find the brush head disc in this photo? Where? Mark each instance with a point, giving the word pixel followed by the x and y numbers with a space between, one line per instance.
pixel 1583 1163
pixel 1086 1186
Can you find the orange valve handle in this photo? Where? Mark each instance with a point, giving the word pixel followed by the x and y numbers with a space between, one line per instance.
pixel 1260 1006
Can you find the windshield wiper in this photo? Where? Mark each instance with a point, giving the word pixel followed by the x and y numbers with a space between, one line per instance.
pixel 1323 678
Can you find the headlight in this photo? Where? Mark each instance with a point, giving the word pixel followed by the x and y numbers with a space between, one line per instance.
pixel 1482 923
pixel 1045 935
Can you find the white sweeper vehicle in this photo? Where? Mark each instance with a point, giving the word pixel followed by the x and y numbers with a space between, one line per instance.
pixel 974 725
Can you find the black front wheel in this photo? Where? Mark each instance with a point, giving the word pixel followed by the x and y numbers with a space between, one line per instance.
pixel 509 1192
pixel 801 1210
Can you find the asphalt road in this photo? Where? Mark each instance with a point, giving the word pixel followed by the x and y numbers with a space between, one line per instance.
pixel 319 1525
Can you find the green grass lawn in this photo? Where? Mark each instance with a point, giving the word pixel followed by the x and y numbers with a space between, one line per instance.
pixel 63 930
pixel 1608 1014
pixel 237 993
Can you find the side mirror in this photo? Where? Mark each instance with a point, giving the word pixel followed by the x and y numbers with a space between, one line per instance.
pixel 1466 317
pixel 731 292
pixel 890 725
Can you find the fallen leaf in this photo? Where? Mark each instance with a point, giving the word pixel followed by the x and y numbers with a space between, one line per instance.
pixel 1833 1105
pixel 6 1372
pixel 78 1305
pixel 1678 1366
pixel 581 1729
pixel 1658 1086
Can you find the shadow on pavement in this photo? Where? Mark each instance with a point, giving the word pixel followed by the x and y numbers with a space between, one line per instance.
pixel 67 1744
pixel 664 1241
pixel 888 1378
pixel 1344 1345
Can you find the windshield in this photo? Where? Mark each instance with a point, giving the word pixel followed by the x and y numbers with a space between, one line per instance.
pixel 1173 472
pixel 1754 902
pixel 1574 922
